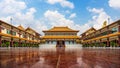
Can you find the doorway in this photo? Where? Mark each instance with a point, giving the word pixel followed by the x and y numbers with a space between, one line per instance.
pixel 60 43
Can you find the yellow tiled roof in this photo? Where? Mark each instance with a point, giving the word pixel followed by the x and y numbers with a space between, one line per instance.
pixel 101 37
pixel 60 29
pixel 89 30
pixel 20 27
pixel 60 37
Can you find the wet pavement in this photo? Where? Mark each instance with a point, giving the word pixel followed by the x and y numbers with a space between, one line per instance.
pixel 59 58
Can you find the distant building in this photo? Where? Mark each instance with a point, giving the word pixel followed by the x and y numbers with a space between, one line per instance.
pixel 17 36
pixel 107 36
pixel 60 36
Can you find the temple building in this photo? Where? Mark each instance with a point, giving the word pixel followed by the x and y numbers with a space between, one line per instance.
pixel 17 36
pixel 107 36
pixel 60 36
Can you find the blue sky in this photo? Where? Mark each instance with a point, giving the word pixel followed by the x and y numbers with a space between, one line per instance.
pixel 44 14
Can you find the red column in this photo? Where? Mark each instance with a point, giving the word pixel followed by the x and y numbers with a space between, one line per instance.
pixel 0 36
pixel 100 42
pixel 119 28
pixel 11 42
pixel 119 41
pixel 19 42
pixel 19 39
pixel 108 43
pixel 0 28
pixel 119 36
pixel 0 41
pixel 24 40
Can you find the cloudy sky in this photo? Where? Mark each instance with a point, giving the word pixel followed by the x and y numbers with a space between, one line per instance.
pixel 44 14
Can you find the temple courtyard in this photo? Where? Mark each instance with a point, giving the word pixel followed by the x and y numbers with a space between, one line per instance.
pixel 59 57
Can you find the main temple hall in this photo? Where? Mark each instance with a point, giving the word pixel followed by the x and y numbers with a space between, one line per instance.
pixel 60 36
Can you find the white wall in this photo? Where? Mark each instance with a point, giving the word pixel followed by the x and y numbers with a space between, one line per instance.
pixel 4 31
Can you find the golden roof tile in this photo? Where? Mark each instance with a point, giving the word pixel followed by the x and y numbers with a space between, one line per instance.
pixel 21 27
pixel 60 29
pixel 60 37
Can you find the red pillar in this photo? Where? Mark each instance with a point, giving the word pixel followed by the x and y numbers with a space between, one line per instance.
pixel 100 42
pixel 119 36
pixel 108 43
pixel 0 36
pixel 119 28
pixel 0 28
pixel 0 41
pixel 119 41
pixel 11 42
pixel 19 39
pixel 19 42
pixel 25 36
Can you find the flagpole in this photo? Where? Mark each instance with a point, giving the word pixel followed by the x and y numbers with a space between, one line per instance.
pixel 11 20
pixel 11 43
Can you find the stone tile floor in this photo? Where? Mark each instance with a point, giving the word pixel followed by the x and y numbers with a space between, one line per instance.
pixel 59 58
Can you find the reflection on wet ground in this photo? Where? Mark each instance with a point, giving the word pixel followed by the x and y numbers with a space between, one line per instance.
pixel 59 58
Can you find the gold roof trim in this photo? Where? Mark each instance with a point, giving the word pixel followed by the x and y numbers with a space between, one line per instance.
pixel 60 37
pixel 21 27
pixel 60 29
pixel 92 28
pixel 106 36
pixel 8 35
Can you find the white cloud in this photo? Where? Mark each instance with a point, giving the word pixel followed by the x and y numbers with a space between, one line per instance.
pixel 63 3
pixel 11 6
pixel 54 1
pixel 67 4
pixel 94 10
pixel 99 17
pixel 20 14
pixel 57 19
pixel 73 15
pixel 23 15
pixel 67 11
pixel 114 4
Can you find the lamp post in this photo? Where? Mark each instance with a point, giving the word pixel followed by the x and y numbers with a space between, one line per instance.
pixel 11 43
pixel 11 20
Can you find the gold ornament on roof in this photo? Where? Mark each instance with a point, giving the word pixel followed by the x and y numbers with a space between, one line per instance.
pixel 104 24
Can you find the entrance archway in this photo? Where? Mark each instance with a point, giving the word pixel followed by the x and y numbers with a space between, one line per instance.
pixel 60 43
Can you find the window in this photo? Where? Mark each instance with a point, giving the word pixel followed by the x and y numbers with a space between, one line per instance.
pixel 73 42
pixel 47 42
pixel 14 33
pixel 69 42
pixel 52 42
pixel 104 33
pixel 32 38
pixel 8 31
pixel 114 30
pixel 24 36
pixel 2 28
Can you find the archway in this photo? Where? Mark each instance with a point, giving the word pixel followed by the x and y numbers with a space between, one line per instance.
pixel 60 43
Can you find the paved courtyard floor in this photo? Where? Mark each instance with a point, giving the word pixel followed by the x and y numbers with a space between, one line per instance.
pixel 59 58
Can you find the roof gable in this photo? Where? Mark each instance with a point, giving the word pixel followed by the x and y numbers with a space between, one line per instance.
pixel 91 30
pixel 21 27
pixel 30 30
